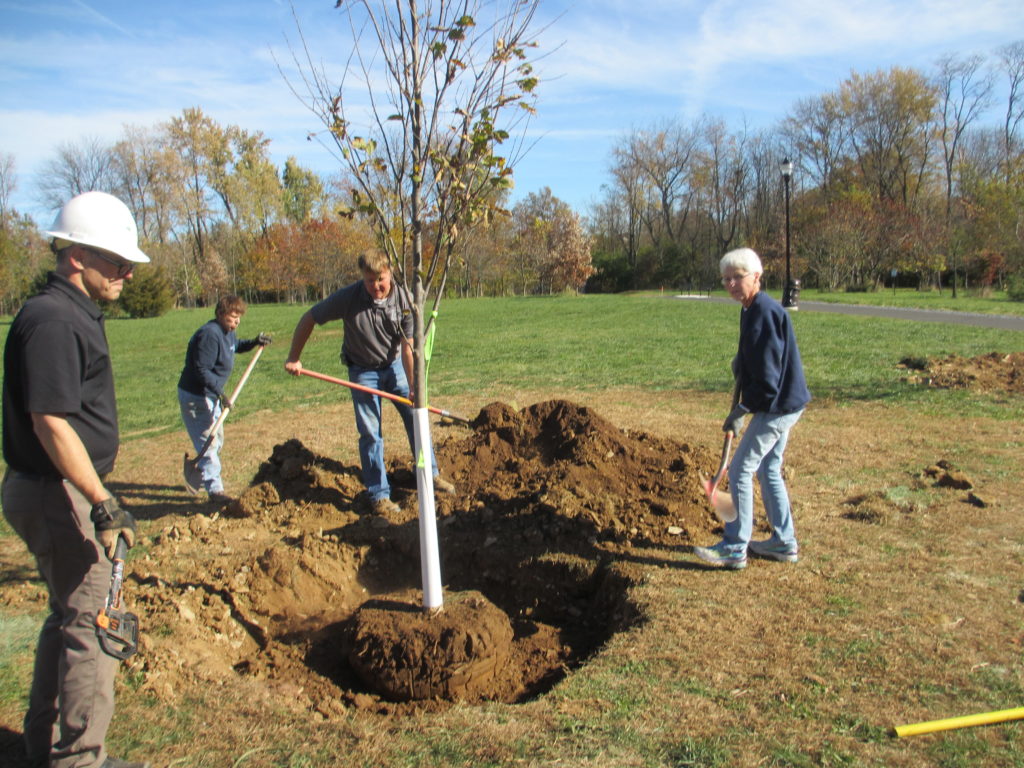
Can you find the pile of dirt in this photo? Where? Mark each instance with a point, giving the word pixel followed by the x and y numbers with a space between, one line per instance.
pixel 943 474
pixel 993 372
pixel 579 478
pixel 874 507
pixel 286 585
pixel 946 475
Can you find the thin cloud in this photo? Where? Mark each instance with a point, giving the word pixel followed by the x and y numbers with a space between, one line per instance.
pixel 733 36
pixel 106 20
pixel 703 53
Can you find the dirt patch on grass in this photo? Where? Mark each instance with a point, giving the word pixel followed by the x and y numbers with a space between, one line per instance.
pixel 992 372
pixel 883 506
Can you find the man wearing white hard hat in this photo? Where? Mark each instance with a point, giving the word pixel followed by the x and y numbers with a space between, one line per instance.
pixel 60 440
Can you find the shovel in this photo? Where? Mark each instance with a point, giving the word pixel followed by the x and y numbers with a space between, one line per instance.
pixel 193 476
pixel 379 393
pixel 722 503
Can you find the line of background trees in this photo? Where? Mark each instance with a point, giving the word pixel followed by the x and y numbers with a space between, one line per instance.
pixel 894 171
pixel 215 215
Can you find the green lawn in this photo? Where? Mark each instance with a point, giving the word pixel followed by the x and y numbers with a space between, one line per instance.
pixel 645 340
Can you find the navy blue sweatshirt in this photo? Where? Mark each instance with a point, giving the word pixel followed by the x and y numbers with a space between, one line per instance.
pixel 771 374
pixel 210 358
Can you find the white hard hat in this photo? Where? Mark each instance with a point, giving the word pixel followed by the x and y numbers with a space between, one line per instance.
pixel 101 221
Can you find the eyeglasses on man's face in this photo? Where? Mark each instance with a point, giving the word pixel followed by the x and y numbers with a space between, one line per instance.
pixel 734 279
pixel 124 268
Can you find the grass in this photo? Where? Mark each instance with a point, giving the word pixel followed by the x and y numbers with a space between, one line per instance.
pixel 699 753
pixel 18 635
pixel 580 342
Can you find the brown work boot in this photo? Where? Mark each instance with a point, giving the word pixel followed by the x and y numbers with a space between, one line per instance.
pixel 442 485
pixel 385 507
pixel 220 499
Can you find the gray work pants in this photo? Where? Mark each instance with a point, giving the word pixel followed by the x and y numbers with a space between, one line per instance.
pixel 72 698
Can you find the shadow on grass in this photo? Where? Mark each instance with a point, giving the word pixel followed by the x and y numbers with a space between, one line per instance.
pixel 150 501
pixel 10 573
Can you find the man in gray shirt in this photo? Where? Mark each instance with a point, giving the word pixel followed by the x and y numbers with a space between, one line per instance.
pixel 377 349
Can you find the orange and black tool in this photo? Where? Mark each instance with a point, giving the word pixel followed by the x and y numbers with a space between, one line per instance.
pixel 118 630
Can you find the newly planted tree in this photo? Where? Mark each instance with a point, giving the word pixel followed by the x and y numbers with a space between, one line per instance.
pixel 422 120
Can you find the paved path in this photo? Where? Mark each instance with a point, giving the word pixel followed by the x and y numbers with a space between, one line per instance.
pixel 1005 322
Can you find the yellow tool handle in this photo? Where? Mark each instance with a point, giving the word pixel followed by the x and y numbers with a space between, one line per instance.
pixel 966 721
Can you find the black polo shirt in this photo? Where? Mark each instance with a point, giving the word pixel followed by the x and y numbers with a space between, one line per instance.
pixel 57 361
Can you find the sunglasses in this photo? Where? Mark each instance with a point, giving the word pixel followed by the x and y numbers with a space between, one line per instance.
pixel 124 268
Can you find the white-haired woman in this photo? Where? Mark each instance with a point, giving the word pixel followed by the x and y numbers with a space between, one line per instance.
pixel 773 389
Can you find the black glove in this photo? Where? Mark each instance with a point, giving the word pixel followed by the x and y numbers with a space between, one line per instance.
pixel 111 521
pixel 225 404
pixel 263 339
pixel 734 421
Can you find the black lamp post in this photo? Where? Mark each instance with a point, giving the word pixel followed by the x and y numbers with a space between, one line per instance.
pixel 791 293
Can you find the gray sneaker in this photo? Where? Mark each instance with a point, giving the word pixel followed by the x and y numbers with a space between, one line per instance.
pixel 722 557
pixel 775 550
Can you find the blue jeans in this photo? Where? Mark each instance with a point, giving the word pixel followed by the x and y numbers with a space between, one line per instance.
pixel 760 452
pixel 200 414
pixel 368 409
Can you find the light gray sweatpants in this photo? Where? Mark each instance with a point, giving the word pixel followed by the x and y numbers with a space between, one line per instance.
pixel 72 698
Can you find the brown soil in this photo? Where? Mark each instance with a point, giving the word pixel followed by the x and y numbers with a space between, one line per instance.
pixel 300 586
pixel 993 372
pixel 462 652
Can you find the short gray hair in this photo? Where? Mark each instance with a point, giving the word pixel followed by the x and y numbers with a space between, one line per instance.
pixel 745 259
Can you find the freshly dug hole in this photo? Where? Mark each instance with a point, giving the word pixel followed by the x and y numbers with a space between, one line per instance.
pixel 555 514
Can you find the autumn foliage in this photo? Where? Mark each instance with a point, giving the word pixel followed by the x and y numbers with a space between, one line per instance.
pixel 298 262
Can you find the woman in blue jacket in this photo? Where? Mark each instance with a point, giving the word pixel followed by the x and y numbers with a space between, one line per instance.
pixel 773 389
pixel 208 363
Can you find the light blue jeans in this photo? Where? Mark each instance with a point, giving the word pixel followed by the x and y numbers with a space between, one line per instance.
pixel 760 453
pixel 368 409
pixel 199 415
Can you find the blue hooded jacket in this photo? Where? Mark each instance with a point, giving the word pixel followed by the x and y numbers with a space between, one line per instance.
pixel 771 374
pixel 210 358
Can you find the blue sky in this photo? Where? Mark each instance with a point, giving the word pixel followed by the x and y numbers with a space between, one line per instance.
pixel 71 69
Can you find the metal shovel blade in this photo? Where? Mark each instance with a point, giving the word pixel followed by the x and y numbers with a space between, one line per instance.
pixel 193 477
pixel 119 634
pixel 721 502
